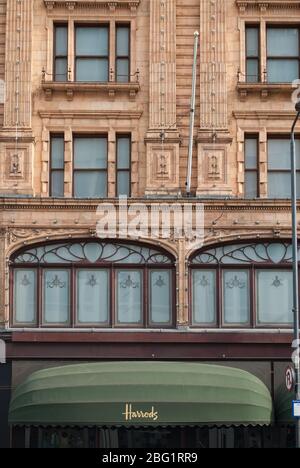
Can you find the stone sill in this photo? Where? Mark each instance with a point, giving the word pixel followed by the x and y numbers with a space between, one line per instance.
pixel 70 88
pixel 264 89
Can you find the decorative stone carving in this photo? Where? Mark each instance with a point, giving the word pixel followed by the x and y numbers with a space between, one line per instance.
pixel 213 169
pixel 162 168
pixel 15 169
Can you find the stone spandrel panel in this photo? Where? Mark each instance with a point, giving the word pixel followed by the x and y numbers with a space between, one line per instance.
pixel 162 168
pixel 16 169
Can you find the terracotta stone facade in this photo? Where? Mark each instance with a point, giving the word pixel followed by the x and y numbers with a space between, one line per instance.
pixel 153 107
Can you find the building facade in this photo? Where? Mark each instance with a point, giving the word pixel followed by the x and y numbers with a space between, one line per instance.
pixel 96 105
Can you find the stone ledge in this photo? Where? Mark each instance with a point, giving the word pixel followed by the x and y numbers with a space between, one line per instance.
pixel 103 4
pixel 70 88
pixel 264 89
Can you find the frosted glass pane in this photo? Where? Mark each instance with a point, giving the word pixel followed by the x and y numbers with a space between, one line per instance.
pixel 93 296
pixel 123 41
pixel 274 297
pixel 61 40
pixel 251 185
pixel 90 184
pixel 252 40
pixel 90 153
pixel 204 297
pixel 123 184
pixel 61 69
pixel 236 298
pixel 252 71
pixel 56 303
pixel 57 184
pixel 283 42
pixel 123 70
pixel 92 70
pixel 160 296
pixel 25 296
pixel 57 152
pixel 129 297
pixel 283 71
pixel 92 41
pixel 124 153
pixel 251 153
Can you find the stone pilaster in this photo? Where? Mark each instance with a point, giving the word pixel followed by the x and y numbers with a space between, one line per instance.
pixel 162 138
pixel 213 136
pixel 18 150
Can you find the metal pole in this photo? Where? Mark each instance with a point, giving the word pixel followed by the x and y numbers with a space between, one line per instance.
pixel 295 267
pixel 192 116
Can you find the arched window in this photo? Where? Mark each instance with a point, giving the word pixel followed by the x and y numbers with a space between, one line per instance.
pixel 243 285
pixel 92 284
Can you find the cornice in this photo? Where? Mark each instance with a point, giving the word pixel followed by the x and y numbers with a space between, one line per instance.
pixel 264 114
pixel 264 5
pixel 43 204
pixel 80 114
pixel 92 4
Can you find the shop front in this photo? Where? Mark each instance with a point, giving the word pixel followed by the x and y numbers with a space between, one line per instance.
pixel 143 405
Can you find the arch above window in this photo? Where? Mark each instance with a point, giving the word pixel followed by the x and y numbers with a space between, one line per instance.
pixel 93 252
pixel 252 253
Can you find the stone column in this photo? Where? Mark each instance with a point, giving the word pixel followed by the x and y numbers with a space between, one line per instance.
pixel 162 138
pixel 213 136
pixel 17 152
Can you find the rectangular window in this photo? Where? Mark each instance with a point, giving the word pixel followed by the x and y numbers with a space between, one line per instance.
pixel 60 52
pixel 25 302
pixel 57 164
pixel 204 297
pixel 93 296
pixel 282 54
pixel 90 167
pixel 123 165
pixel 251 167
pixel 274 297
pixel 160 298
pixel 92 53
pixel 279 168
pixel 56 297
pixel 236 304
pixel 252 54
pixel 123 53
pixel 129 296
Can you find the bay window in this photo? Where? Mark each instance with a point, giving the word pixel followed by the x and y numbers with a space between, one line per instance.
pixel 242 286
pixel 94 284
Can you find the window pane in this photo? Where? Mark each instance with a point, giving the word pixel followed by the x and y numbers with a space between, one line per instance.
pixel 61 69
pixel 160 296
pixel 56 296
pixel 283 42
pixel 204 297
pixel 274 297
pixel 57 184
pixel 92 296
pixel 252 71
pixel 279 154
pixel 123 183
pixel 251 153
pixel 252 38
pixel 25 296
pixel 129 297
pixel 279 185
pixel 61 40
pixel 90 184
pixel 123 70
pixel 251 185
pixel 123 41
pixel 123 150
pixel 92 70
pixel 283 71
pixel 57 152
pixel 236 299
pixel 92 41
pixel 90 153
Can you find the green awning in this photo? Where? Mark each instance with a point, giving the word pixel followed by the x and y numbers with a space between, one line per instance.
pixel 284 406
pixel 141 394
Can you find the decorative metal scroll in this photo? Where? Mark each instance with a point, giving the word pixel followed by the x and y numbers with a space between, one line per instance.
pixel 92 252
pixel 273 253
